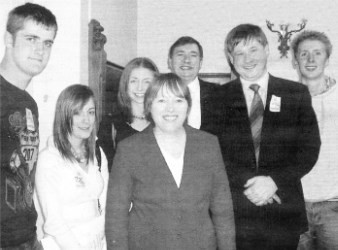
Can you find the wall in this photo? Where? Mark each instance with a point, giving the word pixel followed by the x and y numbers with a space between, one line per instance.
pixel 160 23
pixel 119 19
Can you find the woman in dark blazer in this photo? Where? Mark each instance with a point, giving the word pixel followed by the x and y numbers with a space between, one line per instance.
pixel 174 178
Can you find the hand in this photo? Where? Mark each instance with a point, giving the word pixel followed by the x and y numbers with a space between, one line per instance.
pixel 261 190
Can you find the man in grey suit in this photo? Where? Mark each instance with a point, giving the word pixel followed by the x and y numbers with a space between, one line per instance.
pixel 185 60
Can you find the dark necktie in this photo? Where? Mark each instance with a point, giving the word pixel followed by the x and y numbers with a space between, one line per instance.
pixel 256 119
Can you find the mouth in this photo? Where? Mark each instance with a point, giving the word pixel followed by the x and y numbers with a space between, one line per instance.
pixel 84 128
pixel 139 94
pixel 186 67
pixel 36 59
pixel 311 68
pixel 249 67
pixel 170 118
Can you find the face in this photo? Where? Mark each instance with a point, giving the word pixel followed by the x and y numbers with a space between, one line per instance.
pixel 250 59
pixel 169 111
pixel 312 59
pixel 186 62
pixel 139 80
pixel 83 122
pixel 30 48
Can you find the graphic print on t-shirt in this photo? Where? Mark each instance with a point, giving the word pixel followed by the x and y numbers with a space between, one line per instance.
pixel 22 162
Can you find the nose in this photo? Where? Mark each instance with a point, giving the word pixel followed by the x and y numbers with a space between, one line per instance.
pixel 170 107
pixel 247 57
pixel 139 86
pixel 311 57
pixel 85 118
pixel 39 48
pixel 186 58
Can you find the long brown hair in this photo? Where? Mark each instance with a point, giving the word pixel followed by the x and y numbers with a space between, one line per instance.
pixel 72 100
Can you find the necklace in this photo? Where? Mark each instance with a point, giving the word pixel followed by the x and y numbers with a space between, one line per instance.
pixel 139 117
pixel 80 157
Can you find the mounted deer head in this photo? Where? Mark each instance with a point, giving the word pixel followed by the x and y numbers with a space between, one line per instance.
pixel 284 35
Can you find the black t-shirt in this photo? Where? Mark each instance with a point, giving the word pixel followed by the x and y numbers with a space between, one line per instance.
pixel 19 151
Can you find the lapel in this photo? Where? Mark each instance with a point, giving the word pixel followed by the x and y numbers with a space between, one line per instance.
pixel 238 108
pixel 270 118
pixel 205 92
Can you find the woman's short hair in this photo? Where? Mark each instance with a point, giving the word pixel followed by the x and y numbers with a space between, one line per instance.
pixel 169 82
pixel 313 36
pixel 123 97
pixel 70 102
pixel 30 11
pixel 244 33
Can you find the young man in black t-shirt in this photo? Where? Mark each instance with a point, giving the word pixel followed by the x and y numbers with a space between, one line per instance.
pixel 31 30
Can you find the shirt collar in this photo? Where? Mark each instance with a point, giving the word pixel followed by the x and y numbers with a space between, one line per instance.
pixel 194 86
pixel 262 82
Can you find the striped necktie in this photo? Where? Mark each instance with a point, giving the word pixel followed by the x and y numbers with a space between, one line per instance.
pixel 256 119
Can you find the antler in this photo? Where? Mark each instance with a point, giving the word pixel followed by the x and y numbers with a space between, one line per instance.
pixel 301 25
pixel 270 27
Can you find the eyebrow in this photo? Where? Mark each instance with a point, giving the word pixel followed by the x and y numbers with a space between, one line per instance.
pixel 37 37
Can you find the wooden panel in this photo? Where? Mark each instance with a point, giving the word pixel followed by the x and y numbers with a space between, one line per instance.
pixel 97 65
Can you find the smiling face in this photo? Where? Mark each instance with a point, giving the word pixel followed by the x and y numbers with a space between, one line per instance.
pixel 250 59
pixel 186 62
pixel 83 122
pixel 168 111
pixel 29 49
pixel 312 59
pixel 139 80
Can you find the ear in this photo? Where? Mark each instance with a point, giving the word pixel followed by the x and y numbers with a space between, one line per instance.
pixel 294 62
pixel 9 40
pixel 230 57
pixel 267 50
pixel 201 62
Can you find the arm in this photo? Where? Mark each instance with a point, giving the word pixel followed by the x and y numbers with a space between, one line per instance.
pixel 307 144
pixel 47 183
pixel 119 200
pixel 221 203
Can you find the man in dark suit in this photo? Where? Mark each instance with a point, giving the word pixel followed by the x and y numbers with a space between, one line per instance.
pixel 185 60
pixel 270 140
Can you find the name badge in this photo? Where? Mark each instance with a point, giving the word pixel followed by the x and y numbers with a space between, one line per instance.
pixel 275 104
pixel 30 120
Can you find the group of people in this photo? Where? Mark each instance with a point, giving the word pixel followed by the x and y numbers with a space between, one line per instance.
pixel 250 164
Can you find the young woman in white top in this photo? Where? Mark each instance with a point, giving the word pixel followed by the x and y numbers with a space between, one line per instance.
pixel 71 178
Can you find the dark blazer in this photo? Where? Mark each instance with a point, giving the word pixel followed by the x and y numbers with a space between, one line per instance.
pixel 209 113
pixel 164 216
pixel 289 149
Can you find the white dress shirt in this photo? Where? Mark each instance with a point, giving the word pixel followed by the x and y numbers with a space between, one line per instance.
pixel 249 93
pixel 194 117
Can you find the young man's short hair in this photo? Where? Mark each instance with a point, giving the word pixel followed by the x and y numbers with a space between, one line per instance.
pixel 183 41
pixel 29 11
pixel 244 33
pixel 313 36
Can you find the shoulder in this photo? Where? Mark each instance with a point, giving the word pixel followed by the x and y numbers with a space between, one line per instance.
pixel 287 85
pixel 198 135
pixel 137 139
pixel 208 86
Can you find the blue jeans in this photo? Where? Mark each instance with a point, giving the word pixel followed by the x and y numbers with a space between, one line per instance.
pixel 33 244
pixel 323 226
